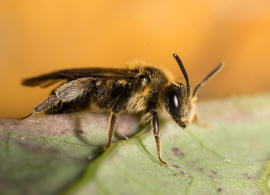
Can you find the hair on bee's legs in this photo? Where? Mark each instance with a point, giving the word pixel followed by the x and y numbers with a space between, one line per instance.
pixel 52 100
pixel 155 127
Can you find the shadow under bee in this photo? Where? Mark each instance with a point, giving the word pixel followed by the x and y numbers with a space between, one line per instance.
pixel 127 127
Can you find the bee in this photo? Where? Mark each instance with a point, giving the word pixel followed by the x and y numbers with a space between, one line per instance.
pixel 145 90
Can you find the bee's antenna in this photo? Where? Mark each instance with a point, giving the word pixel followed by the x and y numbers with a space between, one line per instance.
pixel 206 78
pixel 183 71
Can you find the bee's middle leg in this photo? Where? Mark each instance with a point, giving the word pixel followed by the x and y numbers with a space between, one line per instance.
pixel 112 125
pixel 114 118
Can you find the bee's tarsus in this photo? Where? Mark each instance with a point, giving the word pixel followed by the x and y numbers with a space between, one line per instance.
pixel 162 162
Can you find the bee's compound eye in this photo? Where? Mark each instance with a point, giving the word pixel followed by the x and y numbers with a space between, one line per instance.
pixel 174 103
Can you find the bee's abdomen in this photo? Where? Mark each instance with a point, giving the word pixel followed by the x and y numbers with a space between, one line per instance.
pixel 79 104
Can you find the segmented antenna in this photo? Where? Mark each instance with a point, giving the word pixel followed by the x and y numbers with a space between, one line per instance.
pixel 206 78
pixel 183 71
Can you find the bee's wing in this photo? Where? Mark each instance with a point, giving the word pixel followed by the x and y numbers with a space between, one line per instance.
pixel 46 80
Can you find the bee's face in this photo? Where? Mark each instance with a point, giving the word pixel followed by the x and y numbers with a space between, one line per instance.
pixel 179 105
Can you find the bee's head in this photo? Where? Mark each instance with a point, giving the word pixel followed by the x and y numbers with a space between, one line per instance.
pixel 180 104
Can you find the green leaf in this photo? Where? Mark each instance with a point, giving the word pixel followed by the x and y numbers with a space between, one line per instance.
pixel 64 153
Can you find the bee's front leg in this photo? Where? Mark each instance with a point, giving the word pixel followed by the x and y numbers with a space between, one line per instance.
pixel 155 127
pixel 196 120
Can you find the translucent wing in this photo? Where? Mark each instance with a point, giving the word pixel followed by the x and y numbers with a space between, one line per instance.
pixel 46 80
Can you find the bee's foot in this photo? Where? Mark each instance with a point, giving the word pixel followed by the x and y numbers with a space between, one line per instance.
pixel 163 163
pixel 125 137
pixel 204 125
pixel 106 147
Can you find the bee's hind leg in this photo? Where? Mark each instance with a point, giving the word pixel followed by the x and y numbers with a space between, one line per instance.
pixel 52 100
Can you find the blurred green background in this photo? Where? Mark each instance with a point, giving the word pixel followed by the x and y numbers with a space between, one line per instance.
pixel 42 36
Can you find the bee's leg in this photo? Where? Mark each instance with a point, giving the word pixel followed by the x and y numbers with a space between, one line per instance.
pixel 121 136
pixel 114 117
pixel 155 127
pixel 112 125
pixel 52 100
pixel 196 120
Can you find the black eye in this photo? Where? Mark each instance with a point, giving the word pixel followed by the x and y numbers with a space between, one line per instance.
pixel 173 103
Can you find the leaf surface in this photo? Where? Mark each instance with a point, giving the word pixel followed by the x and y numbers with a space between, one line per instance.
pixel 64 153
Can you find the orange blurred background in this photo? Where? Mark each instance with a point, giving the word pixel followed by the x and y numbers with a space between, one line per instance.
pixel 42 36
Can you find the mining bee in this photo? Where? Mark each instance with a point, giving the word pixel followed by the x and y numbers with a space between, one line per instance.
pixel 146 90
